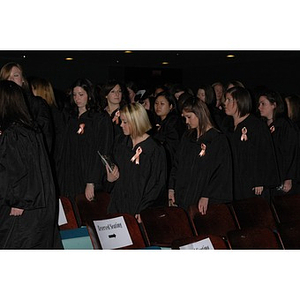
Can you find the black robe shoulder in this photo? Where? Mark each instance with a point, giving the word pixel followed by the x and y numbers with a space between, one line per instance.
pixel 139 185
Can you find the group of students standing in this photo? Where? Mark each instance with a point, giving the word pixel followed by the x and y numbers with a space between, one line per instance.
pixel 169 146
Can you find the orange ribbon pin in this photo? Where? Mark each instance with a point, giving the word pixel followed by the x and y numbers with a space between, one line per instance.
pixel 81 129
pixel 244 134
pixel 116 117
pixel 136 157
pixel 203 148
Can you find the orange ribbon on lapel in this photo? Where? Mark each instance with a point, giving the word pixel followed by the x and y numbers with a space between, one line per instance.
pixel 81 128
pixel 136 157
pixel 272 128
pixel 116 117
pixel 244 134
pixel 203 148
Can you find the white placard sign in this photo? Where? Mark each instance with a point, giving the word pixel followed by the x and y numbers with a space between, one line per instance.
pixel 113 233
pixel 204 244
pixel 61 215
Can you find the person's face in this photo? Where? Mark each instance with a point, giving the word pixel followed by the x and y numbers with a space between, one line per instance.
pixel 218 91
pixel 16 76
pixel 131 94
pixel 177 95
pixel 147 104
pixel 265 107
pixel 191 119
pixel 115 95
pixel 157 91
pixel 162 107
pixel 288 107
pixel 125 125
pixel 201 94
pixel 80 97
pixel 230 105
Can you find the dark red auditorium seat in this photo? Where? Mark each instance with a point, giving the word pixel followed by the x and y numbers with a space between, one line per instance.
pixel 217 221
pixel 92 210
pixel 163 225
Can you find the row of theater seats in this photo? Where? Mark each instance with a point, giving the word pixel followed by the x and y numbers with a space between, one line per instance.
pixel 249 224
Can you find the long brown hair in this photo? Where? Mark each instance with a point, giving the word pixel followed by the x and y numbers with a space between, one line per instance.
pixel 6 70
pixel 13 108
pixel 200 109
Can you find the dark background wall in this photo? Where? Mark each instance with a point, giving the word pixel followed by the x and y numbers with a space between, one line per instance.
pixel 276 69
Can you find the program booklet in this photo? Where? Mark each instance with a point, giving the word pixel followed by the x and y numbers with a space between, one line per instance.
pixel 106 160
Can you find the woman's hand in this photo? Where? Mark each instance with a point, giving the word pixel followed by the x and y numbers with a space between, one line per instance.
pixel 258 190
pixel 90 191
pixel 114 175
pixel 202 205
pixel 287 185
pixel 171 195
pixel 16 211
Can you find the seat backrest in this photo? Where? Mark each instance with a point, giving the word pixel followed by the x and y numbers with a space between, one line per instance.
pixel 290 234
pixel 95 209
pixel 254 212
pixel 70 214
pixel 254 238
pixel 217 241
pixel 163 225
pixel 287 208
pixel 132 226
pixel 218 220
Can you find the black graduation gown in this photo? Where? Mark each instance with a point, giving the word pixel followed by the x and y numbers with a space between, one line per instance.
pixel 139 185
pixel 26 182
pixel 41 114
pixel 194 176
pixel 79 162
pixel 116 121
pixel 169 133
pixel 254 160
pixel 285 139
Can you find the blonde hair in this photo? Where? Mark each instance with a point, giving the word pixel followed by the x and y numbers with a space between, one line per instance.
pixel 43 88
pixel 137 118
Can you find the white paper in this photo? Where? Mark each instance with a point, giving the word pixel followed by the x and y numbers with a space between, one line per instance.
pixel 61 215
pixel 204 244
pixel 113 233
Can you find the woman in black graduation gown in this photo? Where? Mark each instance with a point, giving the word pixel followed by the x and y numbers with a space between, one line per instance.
pixel 254 163
pixel 202 170
pixel 170 125
pixel 37 106
pixel 284 136
pixel 112 97
pixel 28 204
pixel 87 131
pixel 140 172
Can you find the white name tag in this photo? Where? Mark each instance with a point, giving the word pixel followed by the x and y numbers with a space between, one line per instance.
pixel 113 233
pixel 204 244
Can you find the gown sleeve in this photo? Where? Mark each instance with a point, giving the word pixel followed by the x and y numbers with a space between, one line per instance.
pixel 156 182
pixel 20 186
